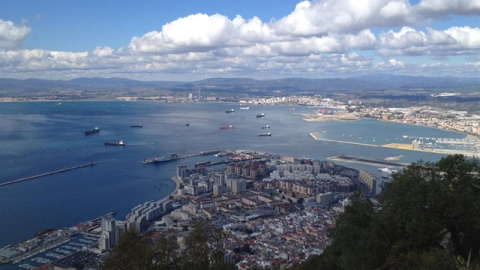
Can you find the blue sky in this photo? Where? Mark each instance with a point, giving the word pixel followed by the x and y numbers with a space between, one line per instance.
pixel 192 39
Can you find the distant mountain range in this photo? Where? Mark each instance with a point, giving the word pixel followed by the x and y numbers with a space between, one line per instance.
pixel 240 86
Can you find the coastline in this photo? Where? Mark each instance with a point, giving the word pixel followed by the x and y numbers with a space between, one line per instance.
pixel 396 146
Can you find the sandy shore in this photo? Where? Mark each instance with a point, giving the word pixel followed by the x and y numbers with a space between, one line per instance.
pixel 329 118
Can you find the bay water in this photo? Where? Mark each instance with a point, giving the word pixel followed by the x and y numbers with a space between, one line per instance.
pixel 38 137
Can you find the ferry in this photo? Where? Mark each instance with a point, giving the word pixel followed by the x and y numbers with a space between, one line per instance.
pixel 260 115
pixel 116 143
pixel 265 134
pixel 226 127
pixel 230 111
pixel 92 131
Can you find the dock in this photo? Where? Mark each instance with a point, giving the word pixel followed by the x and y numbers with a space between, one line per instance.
pixel 367 161
pixel 177 157
pixel 46 174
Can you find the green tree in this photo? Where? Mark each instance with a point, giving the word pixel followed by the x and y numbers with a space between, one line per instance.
pixel 166 254
pixel 428 218
pixel 131 252
pixel 203 247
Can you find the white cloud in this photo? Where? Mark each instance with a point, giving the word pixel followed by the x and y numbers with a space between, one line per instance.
pixel 408 41
pixel 11 35
pixel 321 17
pixel 444 7
pixel 324 36
pixel 198 32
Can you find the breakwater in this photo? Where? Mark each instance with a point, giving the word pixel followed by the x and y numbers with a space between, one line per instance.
pixel 46 174
pixel 368 161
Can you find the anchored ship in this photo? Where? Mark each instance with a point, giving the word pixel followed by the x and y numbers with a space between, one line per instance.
pixel 92 131
pixel 136 126
pixel 116 143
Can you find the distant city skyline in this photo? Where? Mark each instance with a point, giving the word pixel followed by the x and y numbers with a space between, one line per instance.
pixel 193 40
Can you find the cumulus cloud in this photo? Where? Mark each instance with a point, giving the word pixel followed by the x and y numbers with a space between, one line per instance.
pixel 408 41
pixel 11 35
pixel 196 32
pixel 321 17
pixel 444 7
pixel 319 36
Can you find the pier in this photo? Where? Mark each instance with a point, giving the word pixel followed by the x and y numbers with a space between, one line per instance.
pixel 177 157
pixel 46 174
pixel 367 161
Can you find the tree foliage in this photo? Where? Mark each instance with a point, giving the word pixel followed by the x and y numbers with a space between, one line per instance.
pixel 427 218
pixel 202 251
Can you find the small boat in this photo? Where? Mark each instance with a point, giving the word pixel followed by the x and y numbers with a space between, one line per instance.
pixel 266 127
pixel 265 134
pixel 230 111
pixel 136 126
pixel 260 115
pixel 226 127
pixel 291 109
pixel 187 124
pixel 92 131
pixel 116 143
pixel 244 108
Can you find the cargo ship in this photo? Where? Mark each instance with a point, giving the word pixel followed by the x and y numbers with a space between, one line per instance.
pixel 226 127
pixel 92 131
pixel 230 111
pixel 116 143
pixel 265 134
pixel 260 115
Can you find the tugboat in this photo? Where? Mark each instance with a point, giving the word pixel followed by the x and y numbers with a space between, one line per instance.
pixel 92 131
pixel 260 115
pixel 265 134
pixel 116 143
pixel 226 127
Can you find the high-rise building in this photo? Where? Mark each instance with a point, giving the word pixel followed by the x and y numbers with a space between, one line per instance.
pixel 182 172
pixel 239 186
pixel 108 235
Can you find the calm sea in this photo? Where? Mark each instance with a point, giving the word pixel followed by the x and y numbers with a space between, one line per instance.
pixel 38 137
